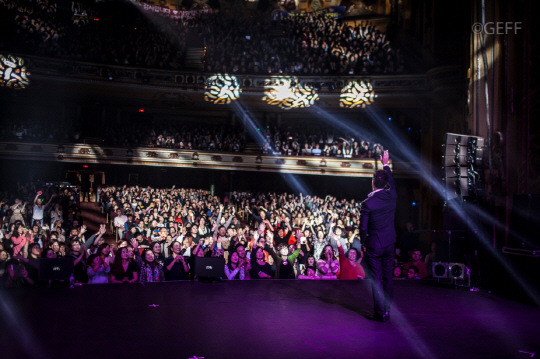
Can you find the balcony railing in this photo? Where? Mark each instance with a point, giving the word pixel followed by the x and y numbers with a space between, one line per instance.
pixel 45 67
pixel 96 154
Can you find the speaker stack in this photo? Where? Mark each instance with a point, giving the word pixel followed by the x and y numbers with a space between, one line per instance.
pixel 463 166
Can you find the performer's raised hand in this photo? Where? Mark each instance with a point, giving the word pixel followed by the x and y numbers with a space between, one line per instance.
pixel 385 157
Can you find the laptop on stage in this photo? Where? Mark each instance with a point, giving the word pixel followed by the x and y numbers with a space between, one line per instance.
pixel 208 267
pixel 55 268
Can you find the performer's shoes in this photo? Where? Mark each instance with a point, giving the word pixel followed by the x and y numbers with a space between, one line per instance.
pixel 377 318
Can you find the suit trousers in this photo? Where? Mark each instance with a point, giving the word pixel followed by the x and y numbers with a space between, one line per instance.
pixel 381 263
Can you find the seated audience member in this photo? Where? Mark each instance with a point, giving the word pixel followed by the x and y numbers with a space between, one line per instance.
pixel 98 269
pixel 417 262
pixel 123 270
pixel 260 269
pixel 150 269
pixel 350 267
pixel 397 273
pixel 156 249
pixel 16 275
pixel 413 273
pixel 235 268
pixel 311 270
pixel 328 265
pixel 175 266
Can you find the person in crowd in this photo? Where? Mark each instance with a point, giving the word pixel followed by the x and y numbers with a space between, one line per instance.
pixel 175 266
pixel 98 269
pixel 413 272
pixel 18 209
pixel 350 264
pixel 80 255
pixel 328 265
pixel 284 260
pixel 397 273
pixel 4 258
pixel 150 269
pixel 16 275
pixel 260 269
pixel 156 249
pixel 418 263
pixel 310 271
pixel 123 270
pixel 235 268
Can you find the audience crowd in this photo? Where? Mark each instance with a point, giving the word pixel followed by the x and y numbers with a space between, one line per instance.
pixel 46 28
pixel 37 131
pixel 300 141
pixel 285 140
pixel 185 136
pixel 309 45
pixel 160 233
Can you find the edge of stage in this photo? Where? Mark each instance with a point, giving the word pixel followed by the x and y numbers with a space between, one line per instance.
pixel 263 319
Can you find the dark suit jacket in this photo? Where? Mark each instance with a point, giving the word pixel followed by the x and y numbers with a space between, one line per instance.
pixel 377 228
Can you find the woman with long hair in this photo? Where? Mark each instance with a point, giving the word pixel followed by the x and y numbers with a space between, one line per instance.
pixel 328 265
pixel 123 270
pixel 311 270
pixel 18 210
pixel 260 269
pixel 236 267
pixel 150 269
pixel 156 249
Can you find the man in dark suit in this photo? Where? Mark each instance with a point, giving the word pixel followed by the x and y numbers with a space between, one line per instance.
pixel 378 236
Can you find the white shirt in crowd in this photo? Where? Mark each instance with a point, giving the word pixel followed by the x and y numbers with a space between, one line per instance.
pixel 38 213
pixel 120 221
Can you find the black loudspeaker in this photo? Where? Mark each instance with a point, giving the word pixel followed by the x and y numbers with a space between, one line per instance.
pixel 525 221
pixel 463 163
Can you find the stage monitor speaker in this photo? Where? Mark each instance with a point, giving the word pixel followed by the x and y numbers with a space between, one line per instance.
pixel 440 270
pixel 458 271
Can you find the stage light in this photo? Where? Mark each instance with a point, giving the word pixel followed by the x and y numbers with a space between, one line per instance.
pixel 141 110
pixel 13 73
pixel 85 166
pixel 409 129
pixel 414 204
pixel 389 118
pixel 222 89
pixel 288 93
pixel 357 94
pixel 440 270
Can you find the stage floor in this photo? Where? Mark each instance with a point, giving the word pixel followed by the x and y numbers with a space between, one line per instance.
pixel 262 319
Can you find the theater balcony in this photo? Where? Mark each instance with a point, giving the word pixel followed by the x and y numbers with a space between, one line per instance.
pixel 94 154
